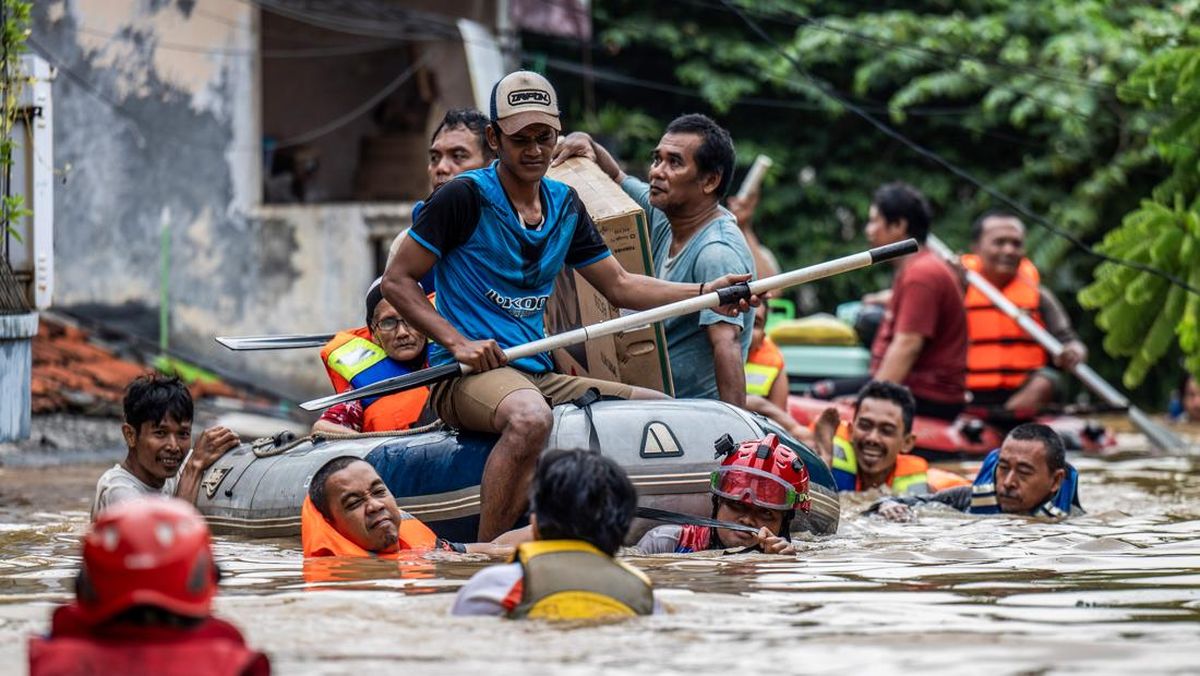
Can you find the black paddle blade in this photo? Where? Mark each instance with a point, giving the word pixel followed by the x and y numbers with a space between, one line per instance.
pixel 689 520
pixel 407 381
pixel 894 250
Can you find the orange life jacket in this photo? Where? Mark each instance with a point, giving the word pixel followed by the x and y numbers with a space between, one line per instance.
pixel 763 366
pixel 353 360
pixel 1000 355
pixel 318 537
pixel 73 647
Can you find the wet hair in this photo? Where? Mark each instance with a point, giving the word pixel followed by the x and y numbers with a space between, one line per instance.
pixel 899 200
pixel 316 487
pixel 889 391
pixel 715 155
pixel 1056 451
pixel 153 397
pixel 581 495
pixel 977 226
pixel 470 119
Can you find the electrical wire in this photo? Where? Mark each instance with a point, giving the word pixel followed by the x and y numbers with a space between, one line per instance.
pixel 947 164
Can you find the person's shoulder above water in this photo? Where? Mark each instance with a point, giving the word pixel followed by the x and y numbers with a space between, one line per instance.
pixel 493 591
pixel 660 540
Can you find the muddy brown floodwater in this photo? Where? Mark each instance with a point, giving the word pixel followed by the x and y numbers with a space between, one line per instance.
pixel 1116 591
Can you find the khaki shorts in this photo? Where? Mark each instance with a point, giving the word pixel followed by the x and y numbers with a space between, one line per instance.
pixel 471 402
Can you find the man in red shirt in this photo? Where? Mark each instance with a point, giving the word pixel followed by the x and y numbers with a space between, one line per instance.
pixel 922 342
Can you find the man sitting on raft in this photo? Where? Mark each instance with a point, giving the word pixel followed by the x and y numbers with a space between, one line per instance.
pixel 759 484
pixel 387 346
pixel 349 511
pixel 1028 474
pixel 580 509
pixel 499 236
pixel 875 450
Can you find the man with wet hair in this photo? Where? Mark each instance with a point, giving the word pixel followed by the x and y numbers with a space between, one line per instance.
pixel 922 342
pixel 1029 474
pixel 1006 367
pixel 499 237
pixel 459 144
pixel 693 239
pixel 349 511
pixel 581 505
pixel 876 450
pixel 158 434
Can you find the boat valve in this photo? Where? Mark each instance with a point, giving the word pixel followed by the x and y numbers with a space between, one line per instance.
pixel 973 430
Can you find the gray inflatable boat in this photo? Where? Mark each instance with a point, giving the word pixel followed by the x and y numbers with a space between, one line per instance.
pixel 257 489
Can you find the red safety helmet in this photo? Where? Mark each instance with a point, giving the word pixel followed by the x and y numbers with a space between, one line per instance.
pixel 150 551
pixel 762 472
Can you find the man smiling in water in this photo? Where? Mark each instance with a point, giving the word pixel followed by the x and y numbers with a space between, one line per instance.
pixel 158 433
pixel 1028 474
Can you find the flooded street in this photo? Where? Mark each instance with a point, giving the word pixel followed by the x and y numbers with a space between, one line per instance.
pixel 1114 591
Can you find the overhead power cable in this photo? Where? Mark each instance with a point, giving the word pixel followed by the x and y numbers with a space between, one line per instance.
pixel 947 164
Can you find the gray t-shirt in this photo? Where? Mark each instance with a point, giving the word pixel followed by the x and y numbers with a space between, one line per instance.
pixel 119 484
pixel 718 248
pixel 660 540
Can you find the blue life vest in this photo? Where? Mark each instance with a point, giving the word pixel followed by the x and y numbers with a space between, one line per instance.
pixel 496 284
pixel 983 492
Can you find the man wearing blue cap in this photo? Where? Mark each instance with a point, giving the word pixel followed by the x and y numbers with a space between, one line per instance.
pixel 499 237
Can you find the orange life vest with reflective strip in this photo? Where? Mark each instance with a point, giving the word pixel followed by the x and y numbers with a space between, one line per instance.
pixel 763 366
pixel 319 538
pixel 352 360
pixel 1000 355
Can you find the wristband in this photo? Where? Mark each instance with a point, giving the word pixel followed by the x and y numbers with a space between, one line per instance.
pixel 701 289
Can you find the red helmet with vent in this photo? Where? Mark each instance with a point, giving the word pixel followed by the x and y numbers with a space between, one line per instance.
pixel 149 551
pixel 762 472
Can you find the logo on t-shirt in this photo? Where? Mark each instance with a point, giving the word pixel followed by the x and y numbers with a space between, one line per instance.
pixel 518 307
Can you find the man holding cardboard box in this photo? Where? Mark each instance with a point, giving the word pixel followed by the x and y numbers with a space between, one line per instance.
pixel 693 237
pixel 499 236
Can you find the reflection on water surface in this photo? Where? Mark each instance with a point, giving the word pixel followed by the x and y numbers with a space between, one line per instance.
pixel 1116 590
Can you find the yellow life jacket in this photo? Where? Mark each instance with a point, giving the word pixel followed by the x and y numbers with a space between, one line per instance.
pixel 571 580
pixel 763 366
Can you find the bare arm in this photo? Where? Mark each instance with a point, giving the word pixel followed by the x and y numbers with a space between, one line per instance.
pixel 640 292
pixel 326 427
pixel 214 443
pixel 779 390
pixel 901 354
pixel 728 364
pixel 402 288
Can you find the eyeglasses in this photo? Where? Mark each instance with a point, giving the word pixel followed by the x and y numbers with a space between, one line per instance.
pixel 390 324
pixel 756 486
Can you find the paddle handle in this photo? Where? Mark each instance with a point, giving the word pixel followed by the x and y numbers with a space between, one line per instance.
pixel 754 177
pixel 630 322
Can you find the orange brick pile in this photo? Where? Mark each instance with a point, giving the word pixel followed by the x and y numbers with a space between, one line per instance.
pixel 71 374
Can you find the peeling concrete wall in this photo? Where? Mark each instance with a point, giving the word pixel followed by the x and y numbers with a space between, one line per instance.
pixel 157 121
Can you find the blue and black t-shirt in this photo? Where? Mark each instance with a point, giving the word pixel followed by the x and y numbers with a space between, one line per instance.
pixel 495 273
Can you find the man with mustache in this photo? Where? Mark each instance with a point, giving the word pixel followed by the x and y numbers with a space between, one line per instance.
pixel 1028 475
pixel 158 434
pixel 349 511
pixel 693 239
pixel 1005 366
pixel 499 236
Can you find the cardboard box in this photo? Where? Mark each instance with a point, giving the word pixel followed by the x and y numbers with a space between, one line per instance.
pixel 637 357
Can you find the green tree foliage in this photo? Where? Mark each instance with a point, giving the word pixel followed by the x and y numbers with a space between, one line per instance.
pixel 1026 96
pixel 14 29
pixel 1143 314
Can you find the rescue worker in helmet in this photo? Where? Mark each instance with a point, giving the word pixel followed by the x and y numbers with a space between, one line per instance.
pixel 143 598
pixel 387 346
pixel 1029 474
pixel 581 504
pixel 759 484
pixel 349 511
pixel 160 458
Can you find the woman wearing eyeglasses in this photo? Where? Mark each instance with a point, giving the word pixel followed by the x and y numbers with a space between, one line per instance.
pixel 387 346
